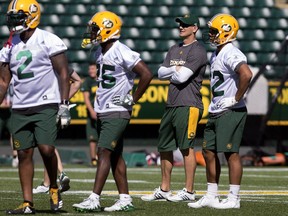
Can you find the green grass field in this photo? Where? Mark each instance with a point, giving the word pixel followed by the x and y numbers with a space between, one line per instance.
pixel 263 191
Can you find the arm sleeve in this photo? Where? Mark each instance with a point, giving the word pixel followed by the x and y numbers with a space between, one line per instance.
pixel 55 45
pixel 165 73
pixel 4 54
pixel 130 58
pixel 235 59
pixel 181 76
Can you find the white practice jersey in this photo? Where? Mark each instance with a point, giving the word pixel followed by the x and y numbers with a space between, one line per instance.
pixel 115 76
pixel 224 79
pixel 35 81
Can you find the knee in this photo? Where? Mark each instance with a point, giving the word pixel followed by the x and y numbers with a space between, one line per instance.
pixel 47 151
pixel 232 157
pixel 103 153
pixel 207 154
pixel 24 155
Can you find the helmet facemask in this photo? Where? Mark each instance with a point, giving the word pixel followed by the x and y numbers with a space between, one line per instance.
pixel 214 36
pixel 92 35
pixel 17 21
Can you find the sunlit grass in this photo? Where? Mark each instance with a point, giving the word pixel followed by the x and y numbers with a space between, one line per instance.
pixel 263 191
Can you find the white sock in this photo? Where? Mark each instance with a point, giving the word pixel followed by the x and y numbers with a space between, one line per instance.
pixel 234 191
pixel 94 196
pixel 212 189
pixel 125 197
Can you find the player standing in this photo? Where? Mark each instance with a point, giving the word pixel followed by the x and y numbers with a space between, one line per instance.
pixel 230 77
pixel 33 59
pixel 184 66
pixel 118 67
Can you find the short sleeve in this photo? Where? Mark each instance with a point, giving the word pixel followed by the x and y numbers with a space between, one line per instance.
pixel 166 62
pixel 130 58
pixel 54 45
pixel 4 54
pixel 235 58
pixel 85 86
pixel 197 57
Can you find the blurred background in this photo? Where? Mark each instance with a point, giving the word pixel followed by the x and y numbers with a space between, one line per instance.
pixel 149 28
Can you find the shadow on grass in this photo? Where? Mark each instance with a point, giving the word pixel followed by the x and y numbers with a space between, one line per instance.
pixel 50 212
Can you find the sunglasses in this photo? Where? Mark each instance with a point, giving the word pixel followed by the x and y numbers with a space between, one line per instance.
pixel 183 25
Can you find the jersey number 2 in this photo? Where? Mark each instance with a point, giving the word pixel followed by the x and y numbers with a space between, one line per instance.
pixel 28 55
pixel 218 83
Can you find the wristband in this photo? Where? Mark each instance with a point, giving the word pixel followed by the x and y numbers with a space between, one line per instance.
pixel 65 102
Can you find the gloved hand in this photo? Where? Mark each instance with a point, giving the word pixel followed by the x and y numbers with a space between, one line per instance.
pixel 227 102
pixel 63 115
pixel 123 100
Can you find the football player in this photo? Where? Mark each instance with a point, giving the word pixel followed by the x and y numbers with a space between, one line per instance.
pixel 230 78
pixel 118 67
pixel 36 60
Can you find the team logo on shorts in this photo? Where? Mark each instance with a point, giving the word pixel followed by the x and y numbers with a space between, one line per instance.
pixel 204 144
pixel 16 144
pixel 191 135
pixel 113 144
pixel 229 146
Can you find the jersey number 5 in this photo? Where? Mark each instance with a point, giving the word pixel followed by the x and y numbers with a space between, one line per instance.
pixel 108 80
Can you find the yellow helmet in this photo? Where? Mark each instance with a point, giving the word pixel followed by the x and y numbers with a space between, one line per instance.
pixel 102 27
pixel 22 15
pixel 223 28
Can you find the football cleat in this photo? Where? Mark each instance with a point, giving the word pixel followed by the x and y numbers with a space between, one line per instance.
pixel 205 201
pixel 24 208
pixel 64 182
pixel 182 195
pixel 56 202
pixel 158 194
pixel 41 189
pixel 229 203
pixel 121 205
pixel 91 204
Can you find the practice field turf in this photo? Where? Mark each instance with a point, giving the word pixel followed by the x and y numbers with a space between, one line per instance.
pixel 263 192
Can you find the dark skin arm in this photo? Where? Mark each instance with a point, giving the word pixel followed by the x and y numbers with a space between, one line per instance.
pixel 245 76
pixel 60 65
pixel 5 78
pixel 145 76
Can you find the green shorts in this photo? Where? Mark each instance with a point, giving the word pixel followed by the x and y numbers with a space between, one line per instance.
pixel 110 132
pixel 224 134
pixel 30 130
pixel 178 128
pixel 91 130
